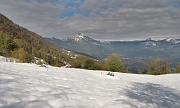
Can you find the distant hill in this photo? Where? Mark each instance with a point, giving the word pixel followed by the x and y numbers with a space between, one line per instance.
pixel 134 53
pixel 20 43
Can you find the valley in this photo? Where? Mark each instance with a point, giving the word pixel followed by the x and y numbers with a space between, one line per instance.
pixel 133 53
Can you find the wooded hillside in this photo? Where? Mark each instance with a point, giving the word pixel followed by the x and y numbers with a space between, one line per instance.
pixel 20 43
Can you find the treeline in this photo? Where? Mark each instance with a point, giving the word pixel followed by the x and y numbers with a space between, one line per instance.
pixel 158 67
pixel 111 63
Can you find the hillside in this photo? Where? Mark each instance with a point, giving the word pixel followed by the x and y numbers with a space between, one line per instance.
pixel 25 85
pixel 20 43
pixel 134 53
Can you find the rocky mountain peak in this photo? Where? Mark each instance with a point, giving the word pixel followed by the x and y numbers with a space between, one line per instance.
pixel 79 36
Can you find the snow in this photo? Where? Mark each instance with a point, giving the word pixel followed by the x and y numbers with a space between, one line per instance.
pixel 150 43
pixel 78 37
pixel 8 59
pixel 31 86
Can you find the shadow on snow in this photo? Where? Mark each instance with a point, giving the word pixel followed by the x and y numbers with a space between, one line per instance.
pixel 149 93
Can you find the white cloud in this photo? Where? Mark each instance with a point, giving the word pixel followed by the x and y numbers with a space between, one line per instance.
pixel 104 19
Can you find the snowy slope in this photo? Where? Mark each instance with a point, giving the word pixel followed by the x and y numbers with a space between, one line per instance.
pixel 31 86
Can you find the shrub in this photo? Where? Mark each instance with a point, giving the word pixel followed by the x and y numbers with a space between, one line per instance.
pixel 110 74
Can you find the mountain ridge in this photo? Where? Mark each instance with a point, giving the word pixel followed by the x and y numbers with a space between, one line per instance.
pixel 135 53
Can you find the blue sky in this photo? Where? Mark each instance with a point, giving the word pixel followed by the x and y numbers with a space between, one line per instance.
pixel 99 19
pixel 72 9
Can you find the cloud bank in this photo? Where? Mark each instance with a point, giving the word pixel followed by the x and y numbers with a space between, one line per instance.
pixel 99 19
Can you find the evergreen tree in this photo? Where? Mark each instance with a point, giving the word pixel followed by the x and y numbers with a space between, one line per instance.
pixel 157 67
pixel 6 44
pixel 178 68
pixel 155 64
pixel 88 64
pixel 22 55
pixel 76 64
pixel 146 68
pixel 114 63
pixel 166 68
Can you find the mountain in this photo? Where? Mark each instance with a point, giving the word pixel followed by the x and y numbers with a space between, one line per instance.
pixel 134 53
pixel 83 44
pixel 20 43
pixel 166 48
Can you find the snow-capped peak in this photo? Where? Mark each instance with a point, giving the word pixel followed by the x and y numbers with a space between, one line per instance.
pixel 155 39
pixel 175 41
pixel 79 36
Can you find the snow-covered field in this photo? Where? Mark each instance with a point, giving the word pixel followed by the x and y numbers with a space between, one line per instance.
pixel 32 86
